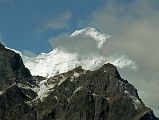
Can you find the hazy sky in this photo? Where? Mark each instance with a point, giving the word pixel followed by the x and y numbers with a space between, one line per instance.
pixel 35 26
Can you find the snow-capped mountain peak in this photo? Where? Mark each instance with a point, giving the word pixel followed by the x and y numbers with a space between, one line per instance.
pixel 59 61
pixel 99 37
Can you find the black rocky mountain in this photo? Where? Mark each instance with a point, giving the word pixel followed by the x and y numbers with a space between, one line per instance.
pixel 93 95
pixel 14 76
pixel 12 69
pixel 75 95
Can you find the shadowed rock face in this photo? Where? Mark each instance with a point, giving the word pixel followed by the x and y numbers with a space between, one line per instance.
pixel 75 95
pixel 13 98
pixel 14 106
pixel 12 69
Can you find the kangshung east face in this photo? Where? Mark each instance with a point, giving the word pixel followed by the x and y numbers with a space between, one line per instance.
pixel 58 61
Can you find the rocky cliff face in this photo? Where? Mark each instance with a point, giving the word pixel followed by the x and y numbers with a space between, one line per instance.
pixel 13 96
pixel 93 95
pixel 12 69
pixel 75 95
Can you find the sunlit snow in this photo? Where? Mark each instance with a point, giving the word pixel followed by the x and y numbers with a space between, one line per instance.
pixel 59 61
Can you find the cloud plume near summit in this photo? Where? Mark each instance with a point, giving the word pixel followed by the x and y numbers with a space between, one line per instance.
pixel 84 42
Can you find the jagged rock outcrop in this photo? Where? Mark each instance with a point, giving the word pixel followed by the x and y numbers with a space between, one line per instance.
pixel 15 91
pixel 14 105
pixel 75 95
pixel 12 69
pixel 93 95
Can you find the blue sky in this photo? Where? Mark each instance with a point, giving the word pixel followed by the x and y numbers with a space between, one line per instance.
pixel 24 23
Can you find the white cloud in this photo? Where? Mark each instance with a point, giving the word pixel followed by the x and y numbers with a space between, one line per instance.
pixel 84 42
pixel 29 53
pixel 81 45
pixel 56 23
pixel 60 22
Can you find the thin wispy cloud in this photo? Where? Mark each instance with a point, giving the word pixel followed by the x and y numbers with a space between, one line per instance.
pixel 29 53
pixel 57 23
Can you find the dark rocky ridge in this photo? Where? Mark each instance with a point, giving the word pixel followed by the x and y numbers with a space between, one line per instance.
pixel 75 95
pixel 13 98
pixel 12 69
pixel 94 95
pixel 14 106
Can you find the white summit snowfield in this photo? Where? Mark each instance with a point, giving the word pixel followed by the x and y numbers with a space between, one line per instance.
pixel 59 61
pixel 99 37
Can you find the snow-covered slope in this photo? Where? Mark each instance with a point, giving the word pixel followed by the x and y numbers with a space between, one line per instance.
pixel 59 61
pixel 93 33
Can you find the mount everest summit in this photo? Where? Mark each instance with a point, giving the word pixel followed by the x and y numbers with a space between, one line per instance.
pixel 58 60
